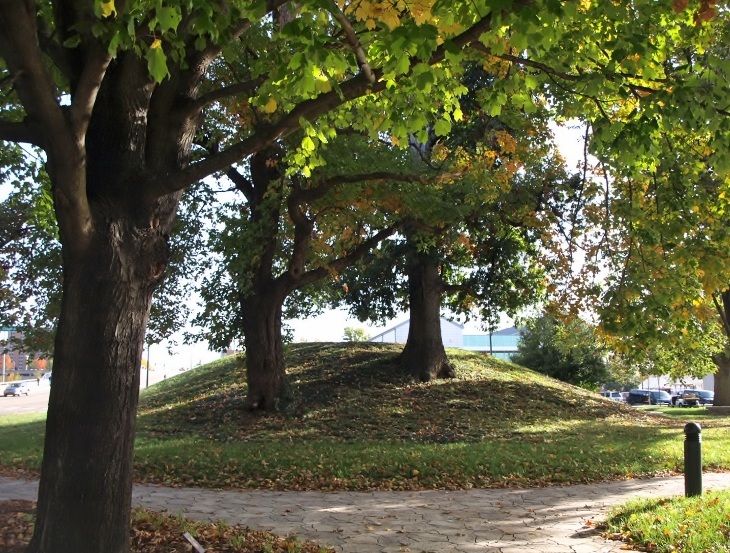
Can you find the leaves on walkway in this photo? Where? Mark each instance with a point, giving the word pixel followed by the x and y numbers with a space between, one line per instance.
pixel 153 532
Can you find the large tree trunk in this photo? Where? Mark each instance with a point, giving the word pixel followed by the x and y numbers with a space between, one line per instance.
pixel 722 376
pixel 424 354
pixel 722 380
pixel 265 369
pixel 84 498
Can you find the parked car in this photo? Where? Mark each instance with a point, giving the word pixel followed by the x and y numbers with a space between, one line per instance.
pixel 693 398
pixel 707 397
pixel 615 396
pixel 648 397
pixel 687 398
pixel 16 389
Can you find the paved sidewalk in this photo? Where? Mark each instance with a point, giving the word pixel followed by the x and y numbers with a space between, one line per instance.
pixel 538 520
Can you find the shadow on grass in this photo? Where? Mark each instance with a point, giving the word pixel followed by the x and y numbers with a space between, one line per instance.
pixel 21 442
pixel 347 391
pixel 354 420
pixel 590 451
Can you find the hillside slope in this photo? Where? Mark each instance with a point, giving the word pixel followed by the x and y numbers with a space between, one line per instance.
pixel 354 420
pixel 356 391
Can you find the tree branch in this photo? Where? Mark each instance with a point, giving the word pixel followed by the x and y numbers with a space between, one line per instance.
pixel 309 110
pixel 311 194
pixel 46 120
pixel 35 88
pixel 87 88
pixel 340 264
pixel 517 60
pixel 303 227
pixel 53 49
pixel 247 88
pixel 722 311
pixel 469 290
pixel 351 35
pixel 549 70
pixel 11 131
pixel 242 184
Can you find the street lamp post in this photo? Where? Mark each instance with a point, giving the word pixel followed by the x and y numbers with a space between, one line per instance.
pixel 7 330
pixel 147 384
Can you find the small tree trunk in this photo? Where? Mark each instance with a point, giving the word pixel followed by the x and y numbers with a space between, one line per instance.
pixel 265 369
pixel 424 355
pixel 85 490
pixel 722 380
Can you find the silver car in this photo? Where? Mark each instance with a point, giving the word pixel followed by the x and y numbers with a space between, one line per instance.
pixel 615 396
pixel 16 389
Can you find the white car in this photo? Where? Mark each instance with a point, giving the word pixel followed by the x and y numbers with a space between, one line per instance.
pixel 16 389
pixel 615 396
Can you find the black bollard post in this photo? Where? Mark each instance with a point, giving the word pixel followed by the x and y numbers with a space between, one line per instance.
pixel 692 459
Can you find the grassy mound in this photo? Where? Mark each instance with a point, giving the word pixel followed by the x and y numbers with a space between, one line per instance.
pixel 357 392
pixel 354 420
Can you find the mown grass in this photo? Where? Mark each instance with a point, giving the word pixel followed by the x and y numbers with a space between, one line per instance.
pixel 354 420
pixel 675 525
pixel 21 443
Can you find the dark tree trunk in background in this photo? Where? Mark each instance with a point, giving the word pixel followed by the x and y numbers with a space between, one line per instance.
pixel 722 380
pixel 261 305
pixel 722 361
pixel 424 355
pixel 86 477
pixel 265 369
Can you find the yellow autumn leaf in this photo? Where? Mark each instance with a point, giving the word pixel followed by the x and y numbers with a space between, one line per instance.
pixel 108 8
pixel 364 11
pixel 321 82
pixel 322 85
pixel 421 11
pixel 390 18
pixel 270 106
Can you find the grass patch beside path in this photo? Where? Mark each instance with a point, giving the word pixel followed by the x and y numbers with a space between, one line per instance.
pixel 677 525
pixel 21 443
pixel 354 420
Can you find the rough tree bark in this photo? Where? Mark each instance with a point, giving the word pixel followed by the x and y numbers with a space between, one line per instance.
pixel 262 304
pixel 107 158
pixel 85 487
pixel 722 360
pixel 722 380
pixel 265 369
pixel 424 355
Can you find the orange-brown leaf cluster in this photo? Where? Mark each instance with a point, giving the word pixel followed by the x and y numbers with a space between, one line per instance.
pixel 706 11
pixel 157 533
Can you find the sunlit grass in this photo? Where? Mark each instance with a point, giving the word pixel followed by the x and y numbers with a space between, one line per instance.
pixel 677 525
pixel 355 420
